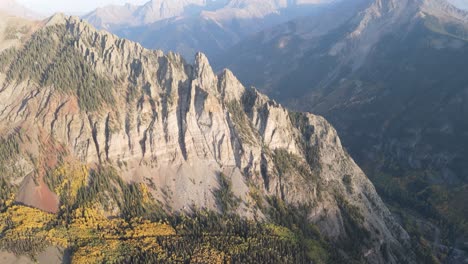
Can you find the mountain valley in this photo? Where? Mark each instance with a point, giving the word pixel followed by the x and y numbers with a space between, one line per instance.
pixel 390 77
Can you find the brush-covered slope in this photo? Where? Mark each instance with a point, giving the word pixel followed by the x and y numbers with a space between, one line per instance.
pixel 108 135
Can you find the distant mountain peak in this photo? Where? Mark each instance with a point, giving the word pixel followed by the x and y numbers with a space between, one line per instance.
pixel 188 26
pixel 382 16
pixel 57 19
pixel 444 10
pixel 157 10
pixel 152 11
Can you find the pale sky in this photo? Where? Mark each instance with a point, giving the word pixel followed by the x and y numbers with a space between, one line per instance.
pixel 75 7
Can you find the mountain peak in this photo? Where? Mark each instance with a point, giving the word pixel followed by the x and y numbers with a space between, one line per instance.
pixel 203 74
pixel 230 87
pixel 151 12
pixel 57 19
pixel 201 60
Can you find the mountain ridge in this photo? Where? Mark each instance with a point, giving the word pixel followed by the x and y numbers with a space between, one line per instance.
pixel 388 76
pixel 176 128
pixel 207 26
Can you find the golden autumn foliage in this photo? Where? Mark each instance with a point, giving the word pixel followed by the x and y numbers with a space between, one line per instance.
pixel 282 232
pixel 108 237
pixel 98 231
pixel 145 193
pixel 141 228
pixel 24 228
pixel 100 252
pixel 96 238
pixel 23 219
pixel 208 255
pixel 69 178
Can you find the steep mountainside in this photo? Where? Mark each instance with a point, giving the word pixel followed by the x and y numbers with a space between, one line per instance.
pixel 93 126
pixel 198 25
pixel 390 76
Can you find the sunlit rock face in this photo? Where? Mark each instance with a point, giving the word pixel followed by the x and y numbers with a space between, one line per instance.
pixel 70 93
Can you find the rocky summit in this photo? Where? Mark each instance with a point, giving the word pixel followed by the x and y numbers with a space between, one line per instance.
pixel 80 108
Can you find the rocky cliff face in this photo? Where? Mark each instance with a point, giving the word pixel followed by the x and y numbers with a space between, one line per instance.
pixel 72 93
pixel 387 75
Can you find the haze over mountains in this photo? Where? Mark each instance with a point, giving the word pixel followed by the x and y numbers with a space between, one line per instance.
pixel 12 7
pixel 197 25
pixel 211 26
pixel 390 75
pixel 463 4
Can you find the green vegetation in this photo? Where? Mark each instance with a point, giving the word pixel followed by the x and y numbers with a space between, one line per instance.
pixel 289 163
pixel 6 58
pixel 301 121
pixel 256 196
pixel 242 123
pixel 420 245
pixel 9 150
pixel 237 240
pixel 13 32
pixel 50 59
pixel 348 182
pixel 136 235
pixel 7 192
pixel 412 196
pixel 71 74
pixel 293 218
pixel 78 188
pixel 225 198
pixel 105 220
pixel 34 59
pixel 355 231
pixel 317 248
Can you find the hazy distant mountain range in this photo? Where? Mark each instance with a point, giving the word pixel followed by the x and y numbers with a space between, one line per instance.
pixel 13 8
pixel 197 25
pixel 210 26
